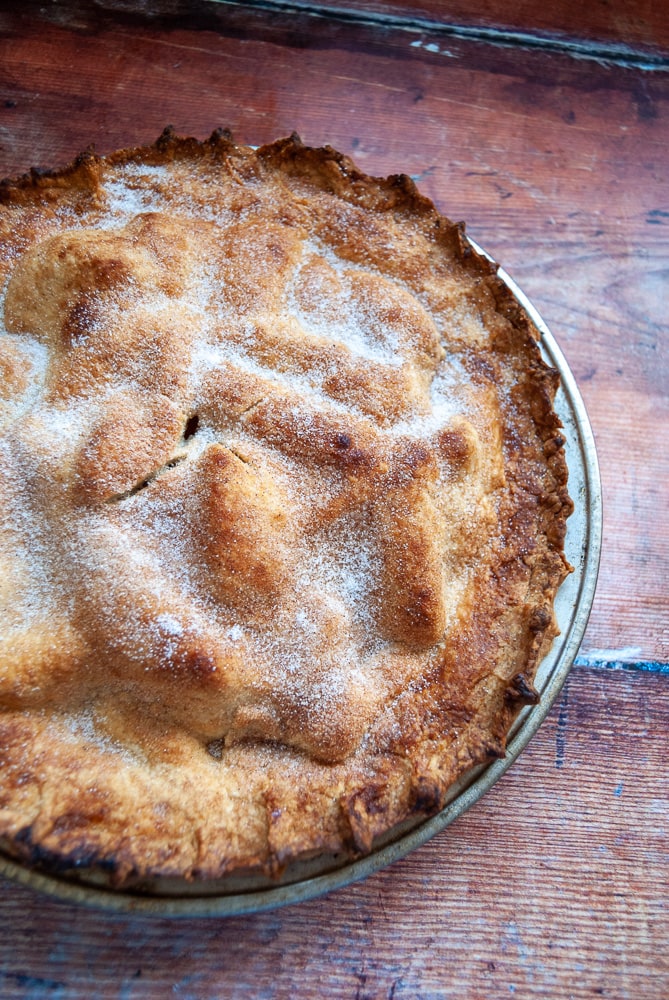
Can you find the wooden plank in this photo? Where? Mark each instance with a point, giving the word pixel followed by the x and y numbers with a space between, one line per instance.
pixel 621 30
pixel 553 885
pixel 642 25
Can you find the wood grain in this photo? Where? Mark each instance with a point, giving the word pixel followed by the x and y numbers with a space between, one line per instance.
pixel 631 25
pixel 558 165
pixel 553 885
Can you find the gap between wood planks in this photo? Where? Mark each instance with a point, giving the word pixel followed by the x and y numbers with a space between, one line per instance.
pixel 648 666
pixel 605 53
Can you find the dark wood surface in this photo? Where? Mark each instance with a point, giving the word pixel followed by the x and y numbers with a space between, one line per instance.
pixel 555 884
pixel 630 27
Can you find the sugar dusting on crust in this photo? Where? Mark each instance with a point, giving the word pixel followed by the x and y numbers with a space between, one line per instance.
pixel 138 563
pixel 248 470
pixel 324 614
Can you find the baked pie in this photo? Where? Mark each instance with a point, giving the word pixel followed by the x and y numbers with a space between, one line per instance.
pixel 283 502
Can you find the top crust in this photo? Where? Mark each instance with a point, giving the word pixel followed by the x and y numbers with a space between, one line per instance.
pixel 283 503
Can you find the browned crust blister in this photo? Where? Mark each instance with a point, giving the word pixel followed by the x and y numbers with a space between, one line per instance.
pixel 164 721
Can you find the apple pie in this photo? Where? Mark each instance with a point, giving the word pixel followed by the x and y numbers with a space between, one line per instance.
pixel 282 501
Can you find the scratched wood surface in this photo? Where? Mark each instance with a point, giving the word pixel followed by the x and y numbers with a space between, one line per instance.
pixel 555 884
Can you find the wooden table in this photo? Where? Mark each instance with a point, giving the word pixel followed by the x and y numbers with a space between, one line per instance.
pixel 547 129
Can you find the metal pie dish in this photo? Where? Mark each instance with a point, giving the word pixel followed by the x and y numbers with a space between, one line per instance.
pixel 320 875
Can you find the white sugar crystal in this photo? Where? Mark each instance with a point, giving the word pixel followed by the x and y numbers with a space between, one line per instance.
pixel 169 624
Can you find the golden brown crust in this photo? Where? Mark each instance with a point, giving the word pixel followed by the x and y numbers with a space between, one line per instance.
pixel 283 509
